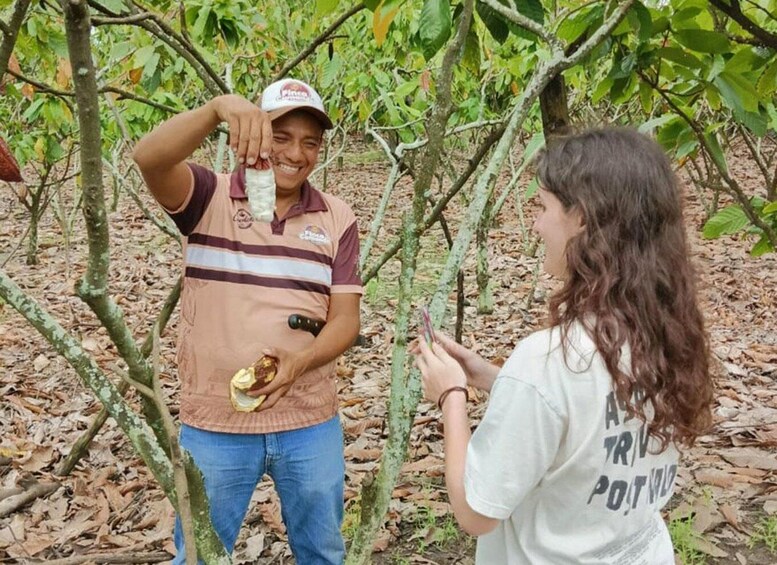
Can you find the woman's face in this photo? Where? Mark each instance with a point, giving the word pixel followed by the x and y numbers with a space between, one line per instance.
pixel 556 227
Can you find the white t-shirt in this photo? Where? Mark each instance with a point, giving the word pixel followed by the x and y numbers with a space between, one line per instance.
pixel 572 480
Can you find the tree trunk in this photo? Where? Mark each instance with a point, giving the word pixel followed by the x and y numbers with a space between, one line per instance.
pixel 377 496
pixel 32 236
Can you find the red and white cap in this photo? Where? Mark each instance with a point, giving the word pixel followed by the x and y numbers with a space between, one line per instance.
pixel 289 94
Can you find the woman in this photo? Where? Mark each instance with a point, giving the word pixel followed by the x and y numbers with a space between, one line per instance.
pixel 577 451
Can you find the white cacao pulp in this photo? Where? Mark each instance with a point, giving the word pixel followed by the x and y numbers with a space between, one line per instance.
pixel 260 189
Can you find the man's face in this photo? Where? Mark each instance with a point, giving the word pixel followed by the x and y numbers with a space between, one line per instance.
pixel 297 139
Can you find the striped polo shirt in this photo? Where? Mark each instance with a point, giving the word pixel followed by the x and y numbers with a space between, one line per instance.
pixel 242 280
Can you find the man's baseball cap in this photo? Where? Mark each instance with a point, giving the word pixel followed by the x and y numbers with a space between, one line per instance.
pixel 286 95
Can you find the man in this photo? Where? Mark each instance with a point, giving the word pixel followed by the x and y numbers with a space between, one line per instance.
pixel 243 279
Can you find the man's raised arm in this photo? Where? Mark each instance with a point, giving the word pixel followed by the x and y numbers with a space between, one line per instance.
pixel 161 155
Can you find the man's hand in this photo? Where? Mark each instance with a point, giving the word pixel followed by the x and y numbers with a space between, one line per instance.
pixel 250 129
pixel 290 367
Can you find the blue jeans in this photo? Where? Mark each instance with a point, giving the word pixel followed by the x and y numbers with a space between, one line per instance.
pixel 308 468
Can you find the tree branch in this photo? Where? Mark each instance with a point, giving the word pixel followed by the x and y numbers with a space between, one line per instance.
pixel 598 36
pixel 472 164
pixel 82 443
pixel 10 32
pixel 734 11
pixel 156 26
pixel 402 401
pixel 315 43
pixel 46 89
pixel 526 23
pixel 733 186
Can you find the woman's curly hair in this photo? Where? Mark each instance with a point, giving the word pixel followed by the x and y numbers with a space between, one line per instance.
pixel 629 278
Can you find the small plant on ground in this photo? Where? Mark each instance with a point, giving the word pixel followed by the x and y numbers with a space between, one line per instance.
pixel 433 531
pixel 765 533
pixel 685 541
pixel 351 518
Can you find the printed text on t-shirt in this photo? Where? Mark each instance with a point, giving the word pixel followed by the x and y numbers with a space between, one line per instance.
pixel 627 480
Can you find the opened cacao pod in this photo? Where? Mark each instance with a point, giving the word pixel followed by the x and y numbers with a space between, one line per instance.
pixel 9 168
pixel 253 378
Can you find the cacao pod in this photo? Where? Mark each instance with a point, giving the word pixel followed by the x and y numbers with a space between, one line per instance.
pixel 254 377
pixel 9 168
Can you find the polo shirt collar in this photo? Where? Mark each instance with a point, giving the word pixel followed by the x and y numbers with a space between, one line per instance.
pixel 310 200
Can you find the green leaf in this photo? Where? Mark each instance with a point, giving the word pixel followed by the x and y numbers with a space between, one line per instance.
pixel 494 23
pixel 54 150
pixel 729 220
pixel 770 209
pixel 201 23
pixel 622 89
pixel 745 60
pixel 32 112
pixel 646 97
pixel 532 9
pixel 737 91
pixel 151 65
pixel 536 143
pixel 713 96
pixel 756 122
pixel 572 28
pixel 650 125
pixel 716 151
pixel 532 189
pixel 685 14
pixel 470 59
pixel 435 27
pixel 703 41
pixel 142 56
pixel 57 42
pixel 640 19
pixel 622 68
pixel 679 56
pixel 762 247
pixel 325 7
pixel 405 88
pixel 767 83
pixel 116 6
pixel 601 89
pixel 331 70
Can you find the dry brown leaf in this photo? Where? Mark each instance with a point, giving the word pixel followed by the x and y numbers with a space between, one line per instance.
pixel 34 545
pixel 113 495
pixel 382 541
pixel 254 548
pixel 37 460
pixel 730 514
pixel 430 463
pixel 708 547
pixel 714 477
pixel 40 363
pixel 357 427
pixel 750 457
pixel 271 515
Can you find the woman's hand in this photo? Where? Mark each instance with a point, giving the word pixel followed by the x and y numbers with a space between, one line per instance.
pixel 440 371
pixel 480 373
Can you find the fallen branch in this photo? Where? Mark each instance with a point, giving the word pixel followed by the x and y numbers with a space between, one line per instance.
pixel 37 490
pixel 155 557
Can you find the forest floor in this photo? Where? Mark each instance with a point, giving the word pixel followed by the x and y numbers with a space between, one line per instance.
pixel 724 510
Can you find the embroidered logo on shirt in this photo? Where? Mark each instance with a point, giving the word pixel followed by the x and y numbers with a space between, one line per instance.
pixel 314 234
pixel 243 219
